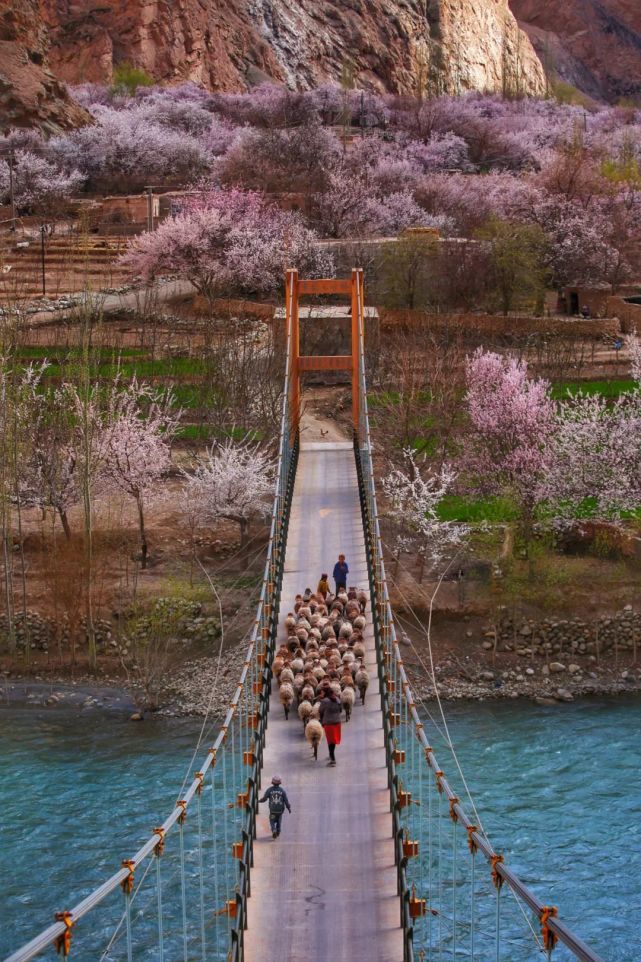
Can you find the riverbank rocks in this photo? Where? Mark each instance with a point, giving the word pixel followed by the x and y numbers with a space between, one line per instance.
pixel 205 686
pixel 556 667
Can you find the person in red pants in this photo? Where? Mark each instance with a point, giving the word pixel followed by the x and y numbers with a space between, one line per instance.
pixel 330 719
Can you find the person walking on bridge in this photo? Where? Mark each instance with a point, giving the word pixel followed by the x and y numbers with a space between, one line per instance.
pixel 341 570
pixel 323 587
pixel 330 719
pixel 278 802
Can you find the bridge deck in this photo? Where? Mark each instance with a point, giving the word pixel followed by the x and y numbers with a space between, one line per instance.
pixel 326 889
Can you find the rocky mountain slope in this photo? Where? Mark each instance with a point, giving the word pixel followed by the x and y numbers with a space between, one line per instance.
pixel 593 44
pixel 229 44
pixel 29 92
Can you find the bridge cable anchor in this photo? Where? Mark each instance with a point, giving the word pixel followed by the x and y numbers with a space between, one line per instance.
pixel 497 879
pixel 470 838
pixel 549 937
pixel 159 847
pixel 63 941
pixel 127 883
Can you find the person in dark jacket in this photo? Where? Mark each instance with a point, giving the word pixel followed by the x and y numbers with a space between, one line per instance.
pixel 278 802
pixel 330 719
pixel 341 570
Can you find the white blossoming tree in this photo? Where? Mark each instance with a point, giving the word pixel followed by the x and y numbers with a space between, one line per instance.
pixel 136 445
pixel 233 481
pixel 414 502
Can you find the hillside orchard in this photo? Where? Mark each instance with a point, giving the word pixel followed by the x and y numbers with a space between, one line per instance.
pixel 337 163
pixel 519 198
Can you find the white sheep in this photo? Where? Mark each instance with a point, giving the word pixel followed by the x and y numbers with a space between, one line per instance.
pixel 359 650
pixel 286 695
pixel 362 681
pixel 299 684
pixel 359 622
pixel 314 734
pixel 308 693
pixel 305 712
pixel 287 676
pixel 347 701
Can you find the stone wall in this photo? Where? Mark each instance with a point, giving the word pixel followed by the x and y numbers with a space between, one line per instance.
pixel 498 325
pixel 552 638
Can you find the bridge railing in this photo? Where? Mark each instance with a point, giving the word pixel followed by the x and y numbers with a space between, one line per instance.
pixel 429 878
pixel 184 893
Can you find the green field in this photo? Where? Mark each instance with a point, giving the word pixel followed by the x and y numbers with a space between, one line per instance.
pixel 455 507
pixel 607 389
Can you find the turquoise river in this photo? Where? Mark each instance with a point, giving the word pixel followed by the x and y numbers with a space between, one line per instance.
pixel 558 790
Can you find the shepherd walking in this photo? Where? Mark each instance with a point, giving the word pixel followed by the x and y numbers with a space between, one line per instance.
pixel 330 719
pixel 341 570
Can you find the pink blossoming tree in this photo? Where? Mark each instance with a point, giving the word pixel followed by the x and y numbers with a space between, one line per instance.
pixel 230 241
pixel 512 420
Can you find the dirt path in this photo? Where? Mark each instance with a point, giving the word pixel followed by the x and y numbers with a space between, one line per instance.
pixel 114 302
pixel 317 424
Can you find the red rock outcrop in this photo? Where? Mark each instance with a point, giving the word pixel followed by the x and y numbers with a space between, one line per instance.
pixel 593 44
pixel 232 44
pixel 30 95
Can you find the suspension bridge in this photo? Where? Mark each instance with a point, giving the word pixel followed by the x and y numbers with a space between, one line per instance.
pixel 380 861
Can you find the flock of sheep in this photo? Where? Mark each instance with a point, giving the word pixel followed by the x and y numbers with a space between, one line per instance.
pixel 324 650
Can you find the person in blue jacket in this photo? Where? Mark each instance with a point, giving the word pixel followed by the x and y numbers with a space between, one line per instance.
pixel 278 802
pixel 341 570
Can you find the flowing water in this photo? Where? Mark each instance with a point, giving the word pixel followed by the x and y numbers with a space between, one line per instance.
pixel 558 791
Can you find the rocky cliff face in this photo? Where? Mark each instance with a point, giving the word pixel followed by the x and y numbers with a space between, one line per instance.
pixel 30 95
pixel 231 44
pixel 479 46
pixel 593 44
